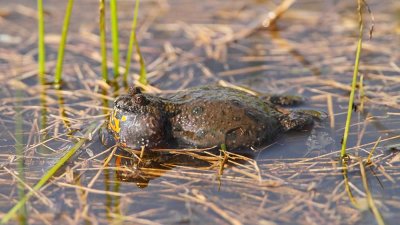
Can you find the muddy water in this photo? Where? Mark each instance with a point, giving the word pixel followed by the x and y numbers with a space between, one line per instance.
pixel 296 180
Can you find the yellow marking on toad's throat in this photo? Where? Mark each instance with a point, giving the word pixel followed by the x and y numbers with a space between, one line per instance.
pixel 114 123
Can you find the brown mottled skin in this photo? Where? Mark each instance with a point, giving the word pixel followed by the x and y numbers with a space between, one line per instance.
pixel 202 117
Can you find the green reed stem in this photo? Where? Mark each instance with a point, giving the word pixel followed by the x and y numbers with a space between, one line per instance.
pixel 41 46
pixel 114 34
pixel 47 175
pixel 103 41
pixel 61 48
pixel 133 41
pixel 354 82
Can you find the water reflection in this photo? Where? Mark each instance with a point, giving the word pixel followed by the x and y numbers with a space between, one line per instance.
pixel 141 170
pixel 19 151
pixel 62 111
pixel 43 125
pixel 112 202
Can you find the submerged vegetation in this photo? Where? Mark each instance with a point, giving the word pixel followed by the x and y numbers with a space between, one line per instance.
pixel 299 178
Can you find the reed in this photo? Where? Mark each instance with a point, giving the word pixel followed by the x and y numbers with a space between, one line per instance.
pixel 103 40
pixel 354 81
pixel 61 48
pixel 133 41
pixel 41 45
pixel 114 35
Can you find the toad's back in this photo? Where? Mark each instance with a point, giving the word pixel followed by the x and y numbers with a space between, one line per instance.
pixel 209 116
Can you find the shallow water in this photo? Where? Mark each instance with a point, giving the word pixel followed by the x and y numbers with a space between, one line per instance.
pixel 296 180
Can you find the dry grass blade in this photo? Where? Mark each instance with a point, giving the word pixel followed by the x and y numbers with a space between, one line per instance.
pixel 370 200
pixel 373 150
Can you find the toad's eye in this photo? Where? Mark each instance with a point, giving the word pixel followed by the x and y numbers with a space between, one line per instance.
pixel 139 99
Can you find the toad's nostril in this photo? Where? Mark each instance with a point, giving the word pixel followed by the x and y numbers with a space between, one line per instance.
pixel 132 101
pixel 123 101
pixel 128 103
